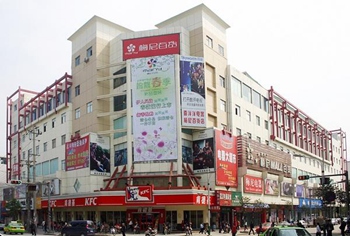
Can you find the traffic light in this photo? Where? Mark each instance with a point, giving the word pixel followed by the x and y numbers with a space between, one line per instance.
pixel 303 177
pixel 16 182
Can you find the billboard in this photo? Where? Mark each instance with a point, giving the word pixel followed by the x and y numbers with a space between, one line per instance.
pixel 151 46
pixel 53 188
pixel 187 155
pixel 271 187
pixel 226 159
pixel 154 108
pixel 77 153
pixel 139 193
pixel 192 90
pixel 203 152
pixel 100 157
pixel 252 184
pixel 287 189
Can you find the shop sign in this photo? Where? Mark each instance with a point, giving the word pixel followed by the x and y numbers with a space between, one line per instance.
pixel 236 198
pixel 144 209
pixel 139 193
pixel 274 165
pixel 223 198
pixel 253 184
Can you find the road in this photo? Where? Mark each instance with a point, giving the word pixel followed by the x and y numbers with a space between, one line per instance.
pixel 312 230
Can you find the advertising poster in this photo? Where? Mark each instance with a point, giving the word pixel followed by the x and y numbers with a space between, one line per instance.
pixel 271 187
pixel 53 188
pixel 192 82
pixel 226 159
pixel 154 108
pixel 253 184
pixel 77 153
pixel 151 46
pixel 287 189
pixel 139 193
pixel 300 191
pixel 203 153
pixel 120 157
pixel 236 198
pixel 100 158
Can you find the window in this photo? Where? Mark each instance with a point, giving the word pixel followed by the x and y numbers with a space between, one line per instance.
pixel 247 93
pixel 256 99
pixel 89 52
pixel 238 110
pixel 221 50
pixel 266 124
pixel 258 120
pixel 120 123
pixel 15 128
pixel 45 146
pixel 89 107
pixel 15 107
pixel 222 82
pixel 23 138
pixel 63 139
pixel 249 116
pixel 209 42
pixel 258 139
pixel 120 80
pixel 37 150
pixel 44 127
pixel 238 132
pixel 77 90
pixel 63 118
pixel 14 143
pixel 77 113
pixel 53 122
pixel 222 105
pixel 53 143
pixel 23 155
pixel 77 61
pixel 236 87
pixel 120 103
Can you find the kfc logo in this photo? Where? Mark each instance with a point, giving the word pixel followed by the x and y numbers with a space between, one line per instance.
pixel 138 193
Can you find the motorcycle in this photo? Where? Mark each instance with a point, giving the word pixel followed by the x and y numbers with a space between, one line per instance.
pixel 150 232
pixel 188 230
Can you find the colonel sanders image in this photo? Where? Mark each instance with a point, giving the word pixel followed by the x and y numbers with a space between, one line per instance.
pixel 134 194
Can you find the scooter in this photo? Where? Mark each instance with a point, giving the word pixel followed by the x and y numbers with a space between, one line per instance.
pixel 150 232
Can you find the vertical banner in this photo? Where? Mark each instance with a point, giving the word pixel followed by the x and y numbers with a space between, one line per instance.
pixel 203 152
pixel 226 159
pixel 154 108
pixel 192 82
pixel 100 157
pixel 77 153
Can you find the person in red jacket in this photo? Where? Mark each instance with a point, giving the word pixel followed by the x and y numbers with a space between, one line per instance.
pixel 234 228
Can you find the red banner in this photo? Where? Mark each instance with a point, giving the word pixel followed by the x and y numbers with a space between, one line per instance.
pixel 252 184
pixel 224 198
pixel 77 153
pixel 151 46
pixel 226 159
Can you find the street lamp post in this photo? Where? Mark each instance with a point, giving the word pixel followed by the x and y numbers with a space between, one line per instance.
pixel 208 179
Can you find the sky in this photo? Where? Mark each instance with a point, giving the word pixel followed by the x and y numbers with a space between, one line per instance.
pixel 300 48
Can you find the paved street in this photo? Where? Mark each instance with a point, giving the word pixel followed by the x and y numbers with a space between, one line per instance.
pixel 312 230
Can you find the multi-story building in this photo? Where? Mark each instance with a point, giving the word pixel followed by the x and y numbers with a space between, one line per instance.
pixel 155 126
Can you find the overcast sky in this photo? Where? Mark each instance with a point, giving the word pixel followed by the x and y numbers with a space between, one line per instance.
pixel 299 47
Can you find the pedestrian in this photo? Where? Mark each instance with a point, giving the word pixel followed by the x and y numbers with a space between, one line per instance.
pixel 318 229
pixel 260 228
pixel 342 226
pixel 245 226
pixel 32 228
pixel 123 229
pixel 44 226
pixel 329 227
pixel 201 228
pixel 252 228
pixel 234 229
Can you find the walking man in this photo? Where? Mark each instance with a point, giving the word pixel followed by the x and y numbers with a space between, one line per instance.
pixel 32 228
pixel 251 228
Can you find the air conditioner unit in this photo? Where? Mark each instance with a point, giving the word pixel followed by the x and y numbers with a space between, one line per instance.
pixel 86 59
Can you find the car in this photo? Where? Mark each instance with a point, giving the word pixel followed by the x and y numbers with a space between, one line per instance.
pixel 14 227
pixel 283 230
pixel 264 227
pixel 79 228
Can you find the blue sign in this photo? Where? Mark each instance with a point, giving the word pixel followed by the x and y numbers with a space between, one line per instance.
pixel 309 203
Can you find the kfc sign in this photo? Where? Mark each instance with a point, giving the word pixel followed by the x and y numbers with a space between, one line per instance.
pixel 151 46
pixel 139 194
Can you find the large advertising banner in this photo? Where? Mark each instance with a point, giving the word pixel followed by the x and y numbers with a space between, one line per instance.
pixel 287 189
pixel 226 159
pixel 100 157
pixel 151 46
pixel 203 152
pixel 154 108
pixel 253 184
pixel 120 157
pixel 271 187
pixel 192 82
pixel 77 153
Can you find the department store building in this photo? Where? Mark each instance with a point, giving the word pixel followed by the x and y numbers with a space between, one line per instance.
pixel 155 126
